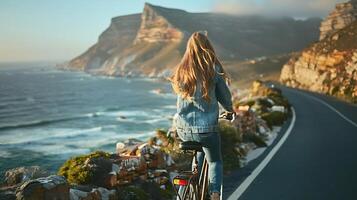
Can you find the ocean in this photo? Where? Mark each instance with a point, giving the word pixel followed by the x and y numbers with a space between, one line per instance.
pixel 48 115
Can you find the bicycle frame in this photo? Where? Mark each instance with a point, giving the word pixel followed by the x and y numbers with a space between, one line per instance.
pixel 197 185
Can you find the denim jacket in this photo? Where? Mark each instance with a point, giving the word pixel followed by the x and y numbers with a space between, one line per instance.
pixel 196 115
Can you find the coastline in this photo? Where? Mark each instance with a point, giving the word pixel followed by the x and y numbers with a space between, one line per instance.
pixel 166 146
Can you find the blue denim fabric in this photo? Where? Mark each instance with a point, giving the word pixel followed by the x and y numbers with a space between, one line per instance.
pixel 196 115
pixel 211 143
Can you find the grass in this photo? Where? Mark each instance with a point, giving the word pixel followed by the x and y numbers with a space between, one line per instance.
pixel 74 170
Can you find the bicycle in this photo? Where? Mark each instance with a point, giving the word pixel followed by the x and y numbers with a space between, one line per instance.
pixel 195 185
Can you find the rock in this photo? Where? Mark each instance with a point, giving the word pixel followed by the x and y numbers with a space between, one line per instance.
pixel 95 194
pixel 335 37
pixel 343 15
pixel 106 194
pixel 8 192
pixel 332 69
pixel 21 174
pixel 101 169
pixel 156 28
pixel 278 108
pixel 128 147
pixel 132 141
pixel 115 168
pixel 52 187
pixel 82 195
pixel 119 147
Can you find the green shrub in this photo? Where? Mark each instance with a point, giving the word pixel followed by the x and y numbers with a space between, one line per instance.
pixel 230 136
pixel 264 102
pixel 257 140
pixel 274 118
pixel 262 106
pixel 74 170
pixel 279 100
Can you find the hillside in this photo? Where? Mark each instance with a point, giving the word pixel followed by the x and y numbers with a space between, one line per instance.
pixel 153 42
pixel 244 73
pixel 330 65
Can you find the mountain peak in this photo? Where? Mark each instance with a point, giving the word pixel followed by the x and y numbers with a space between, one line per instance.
pixel 148 6
pixel 155 26
pixel 161 9
pixel 154 41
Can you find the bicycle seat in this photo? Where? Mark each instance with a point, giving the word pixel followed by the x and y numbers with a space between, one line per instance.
pixel 191 145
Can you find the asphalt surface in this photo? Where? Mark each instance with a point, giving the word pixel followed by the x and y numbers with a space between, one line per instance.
pixel 317 161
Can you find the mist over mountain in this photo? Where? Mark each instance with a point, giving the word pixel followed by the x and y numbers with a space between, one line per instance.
pixel 153 42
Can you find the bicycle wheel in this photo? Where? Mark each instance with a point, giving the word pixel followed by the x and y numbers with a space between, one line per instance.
pixel 189 192
pixel 203 181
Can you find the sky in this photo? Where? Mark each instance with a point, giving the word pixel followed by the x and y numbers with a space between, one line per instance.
pixel 58 30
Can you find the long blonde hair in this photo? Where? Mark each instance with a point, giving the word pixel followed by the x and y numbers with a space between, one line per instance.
pixel 196 67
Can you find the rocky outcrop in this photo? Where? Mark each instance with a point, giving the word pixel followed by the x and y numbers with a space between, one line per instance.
pixel 343 15
pixel 153 42
pixel 21 174
pixel 94 194
pixel 52 187
pixel 328 66
pixel 120 34
pixel 156 28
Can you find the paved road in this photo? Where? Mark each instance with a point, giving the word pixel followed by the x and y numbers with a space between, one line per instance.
pixel 317 161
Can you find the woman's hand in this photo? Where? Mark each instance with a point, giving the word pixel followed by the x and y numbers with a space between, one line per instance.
pixel 231 116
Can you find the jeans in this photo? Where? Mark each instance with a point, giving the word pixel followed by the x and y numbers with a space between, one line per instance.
pixel 211 143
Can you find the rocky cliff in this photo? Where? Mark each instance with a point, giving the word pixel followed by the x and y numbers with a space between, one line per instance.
pixel 330 65
pixel 343 15
pixel 153 42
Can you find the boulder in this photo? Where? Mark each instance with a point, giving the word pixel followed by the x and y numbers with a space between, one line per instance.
pixel 7 192
pixel 106 194
pixel 95 194
pixel 21 174
pixel 83 195
pixel 128 147
pixel 101 168
pixel 52 187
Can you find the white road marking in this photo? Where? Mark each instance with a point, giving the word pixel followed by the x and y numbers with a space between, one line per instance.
pixel 329 106
pixel 239 191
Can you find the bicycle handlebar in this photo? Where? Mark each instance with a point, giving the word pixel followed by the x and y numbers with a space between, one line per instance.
pixel 230 116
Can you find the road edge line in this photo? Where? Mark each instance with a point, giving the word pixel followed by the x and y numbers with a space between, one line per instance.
pixel 245 184
pixel 331 107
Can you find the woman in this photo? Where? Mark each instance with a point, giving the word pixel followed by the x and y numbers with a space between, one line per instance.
pixel 200 83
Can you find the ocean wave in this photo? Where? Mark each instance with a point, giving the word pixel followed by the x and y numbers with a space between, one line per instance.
pixel 44 136
pixel 18 111
pixel 75 147
pixel 44 122
pixel 123 113
pixel 5 154
pixel 163 94
pixel 112 109
pixel 147 121
pixel 150 121
pixel 170 106
pixel 13 100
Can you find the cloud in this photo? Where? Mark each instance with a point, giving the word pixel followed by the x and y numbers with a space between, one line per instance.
pixel 294 8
